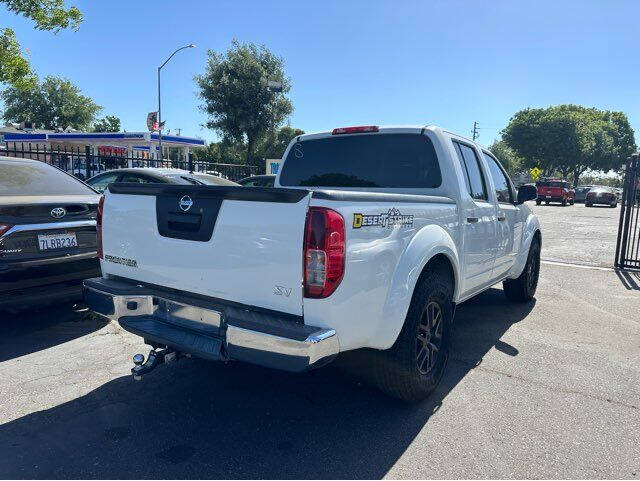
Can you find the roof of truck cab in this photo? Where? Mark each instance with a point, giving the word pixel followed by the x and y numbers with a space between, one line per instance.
pixel 388 129
pixel 382 129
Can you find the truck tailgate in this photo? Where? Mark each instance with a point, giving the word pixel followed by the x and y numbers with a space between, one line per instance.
pixel 241 244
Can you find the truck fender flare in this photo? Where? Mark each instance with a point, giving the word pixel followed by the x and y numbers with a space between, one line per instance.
pixel 531 227
pixel 430 241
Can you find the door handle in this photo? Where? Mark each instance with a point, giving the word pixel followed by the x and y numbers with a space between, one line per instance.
pixel 472 220
pixel 501 218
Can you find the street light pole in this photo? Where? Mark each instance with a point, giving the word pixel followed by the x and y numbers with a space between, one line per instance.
pixel 159 103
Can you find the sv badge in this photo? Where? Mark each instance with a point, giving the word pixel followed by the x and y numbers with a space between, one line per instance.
pixel 282 291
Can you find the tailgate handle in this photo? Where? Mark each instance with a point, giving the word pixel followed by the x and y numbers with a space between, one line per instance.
pixel 184 222
pixel 196 225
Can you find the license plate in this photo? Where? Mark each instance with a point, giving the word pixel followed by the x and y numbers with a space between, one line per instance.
pixel 548 197
pixel 57 241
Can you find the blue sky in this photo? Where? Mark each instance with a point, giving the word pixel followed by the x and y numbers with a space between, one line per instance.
pixel 357 62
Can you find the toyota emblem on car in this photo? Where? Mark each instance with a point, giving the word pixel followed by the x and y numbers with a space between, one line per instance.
pixel 185 203
pixel 58 212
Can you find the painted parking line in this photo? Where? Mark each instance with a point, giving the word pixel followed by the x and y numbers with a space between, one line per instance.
pixel 579 266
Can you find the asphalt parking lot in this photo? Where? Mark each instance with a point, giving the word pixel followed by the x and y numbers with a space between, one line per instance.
pixel 547 389
pixel 578 234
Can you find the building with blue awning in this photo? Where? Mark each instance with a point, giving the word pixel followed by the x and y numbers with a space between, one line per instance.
pixel 124 144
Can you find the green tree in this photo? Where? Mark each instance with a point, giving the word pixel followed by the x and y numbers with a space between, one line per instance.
pixel 50 15
pixel 110 123
pixel 275 143
pixel 570 139
pixel 54 103
pixel 507 157
pixel 225 152
pixel 236 94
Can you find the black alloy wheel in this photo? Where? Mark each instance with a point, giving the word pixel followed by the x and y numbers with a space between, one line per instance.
pixel 429 338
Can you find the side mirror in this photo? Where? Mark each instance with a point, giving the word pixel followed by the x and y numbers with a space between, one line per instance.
pixel 526 192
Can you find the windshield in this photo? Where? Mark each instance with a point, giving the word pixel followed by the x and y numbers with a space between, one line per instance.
pixel 38 178
pixel 380 160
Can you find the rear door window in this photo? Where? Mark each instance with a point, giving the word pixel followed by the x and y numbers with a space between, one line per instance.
pixel 370 160
pixel 474 177
pixel 38 178
pixel 500 180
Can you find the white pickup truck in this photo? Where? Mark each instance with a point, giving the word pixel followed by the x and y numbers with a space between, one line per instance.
pixel 369 239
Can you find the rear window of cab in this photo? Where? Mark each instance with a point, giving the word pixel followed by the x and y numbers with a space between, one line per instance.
pixel 368 160
pixel 551 183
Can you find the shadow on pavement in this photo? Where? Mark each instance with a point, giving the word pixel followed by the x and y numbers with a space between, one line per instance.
pixel 35 330
pixel 630 279
pixel 195 419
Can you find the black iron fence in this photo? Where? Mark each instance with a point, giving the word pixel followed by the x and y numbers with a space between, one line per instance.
pixel 628 243
pixel 84 162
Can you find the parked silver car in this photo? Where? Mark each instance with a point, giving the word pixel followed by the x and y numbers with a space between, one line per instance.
pixel 146 175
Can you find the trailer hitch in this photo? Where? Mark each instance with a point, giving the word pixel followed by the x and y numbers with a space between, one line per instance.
pixel 154 359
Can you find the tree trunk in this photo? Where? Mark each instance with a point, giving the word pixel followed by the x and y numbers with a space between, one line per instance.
pixel 576 177
pixel 250 147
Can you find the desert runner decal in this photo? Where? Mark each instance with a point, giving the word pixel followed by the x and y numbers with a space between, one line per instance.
pixel 121 260
pixel 389 219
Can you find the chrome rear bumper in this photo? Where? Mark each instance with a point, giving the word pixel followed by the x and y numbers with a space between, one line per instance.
pixel 211 328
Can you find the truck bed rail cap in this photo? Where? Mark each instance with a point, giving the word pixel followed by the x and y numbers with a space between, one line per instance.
pixel 255 194
pixel 360 196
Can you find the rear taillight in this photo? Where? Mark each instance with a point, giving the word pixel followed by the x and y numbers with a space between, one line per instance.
pixel 324 252
pixel 355 130
pixel 99 227
pixel 4 228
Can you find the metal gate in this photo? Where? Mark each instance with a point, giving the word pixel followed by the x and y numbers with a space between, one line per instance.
pixel 81 162
pixel 628 244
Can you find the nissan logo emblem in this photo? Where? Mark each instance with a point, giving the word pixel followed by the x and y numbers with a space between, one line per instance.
pixel 185 203
pixel 58 212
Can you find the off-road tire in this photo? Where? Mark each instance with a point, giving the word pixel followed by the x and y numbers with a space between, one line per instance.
pixel 538 202
pixel 523 288
pixel 396 371
pixel 586 204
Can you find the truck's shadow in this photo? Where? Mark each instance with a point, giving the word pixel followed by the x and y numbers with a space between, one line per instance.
pixel 201 420
pixel 37 329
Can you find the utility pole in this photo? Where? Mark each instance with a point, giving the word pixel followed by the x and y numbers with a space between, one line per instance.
pixel 159 106
pixel 474 133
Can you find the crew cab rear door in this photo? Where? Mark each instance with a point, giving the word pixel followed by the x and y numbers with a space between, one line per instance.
pixel 478 221
pixel 508 222
pixel 241 244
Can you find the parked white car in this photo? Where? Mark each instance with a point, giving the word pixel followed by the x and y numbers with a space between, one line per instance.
pixel 369 239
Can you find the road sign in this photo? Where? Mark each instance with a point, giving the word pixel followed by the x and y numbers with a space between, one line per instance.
pixel 535 173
